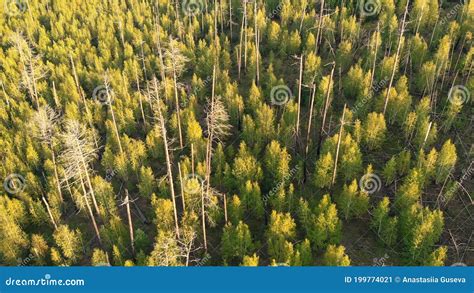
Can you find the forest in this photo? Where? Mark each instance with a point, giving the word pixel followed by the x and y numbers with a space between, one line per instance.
pixel 236 133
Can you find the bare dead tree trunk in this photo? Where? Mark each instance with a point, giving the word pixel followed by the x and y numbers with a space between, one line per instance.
pixel 208 163
pixel 426 136
pixel 402 29
pixel 140 99
pixel 192 158
pixel 310 120
pixel 109 102
pixel 256 43
pixel 338 145
pixel 130 222
pixel 49 213
pixel 127 198
pixel 318 36
pixel 122 38
pixel 245 34
pixel 83 99
pixel 231 23
pixel 178 110
pixel 303 14
pixel 33 79
pixel 56 177
pixel 167 157
pixel 375 56
pixel 89 209
pixel 225 208
pixel 239 61
pixel 419 19
pixel 326 106
pixel 55 97
pixel 299 97
pixel 76 80
pixel 181 186
pixel 7 99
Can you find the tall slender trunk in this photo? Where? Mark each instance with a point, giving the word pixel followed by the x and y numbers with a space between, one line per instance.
pixel 89 209
pixel 402 29
pixel 140 99
pixel 231 23
pixel 242 27
pixel 245 34
pixel 300 81
pixel 127 197
pixel 183 202
pixel 318 36
pixel 55 97
pixel 208 161
pixel 426 136
pixel 256 43
pixel 338 145
pixel 178 110
pixel 56 176
pixel 33 83
pixel 7 99
pixel 375 57
pixel 83 99
pixel 326 106
pixel 130 222
pixel 167 157
pixel 225 208
pixel 310 120
pixel 49 213
pixel 88 180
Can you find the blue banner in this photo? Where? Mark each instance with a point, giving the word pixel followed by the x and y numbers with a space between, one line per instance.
pixel 237 279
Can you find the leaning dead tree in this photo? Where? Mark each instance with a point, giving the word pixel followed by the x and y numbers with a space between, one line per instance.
pixel 338 146
pixel 397 56
pixel 77 156
pixel 217 122
pixel 43 125
pixel 243 38
pixel 117 135
pixel 158 112
pixel 30 63
pixel 300 82
pixel 320 26
pixel 175 63
pixel 326 107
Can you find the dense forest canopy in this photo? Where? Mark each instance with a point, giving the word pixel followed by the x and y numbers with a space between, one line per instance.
pixel 236 132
